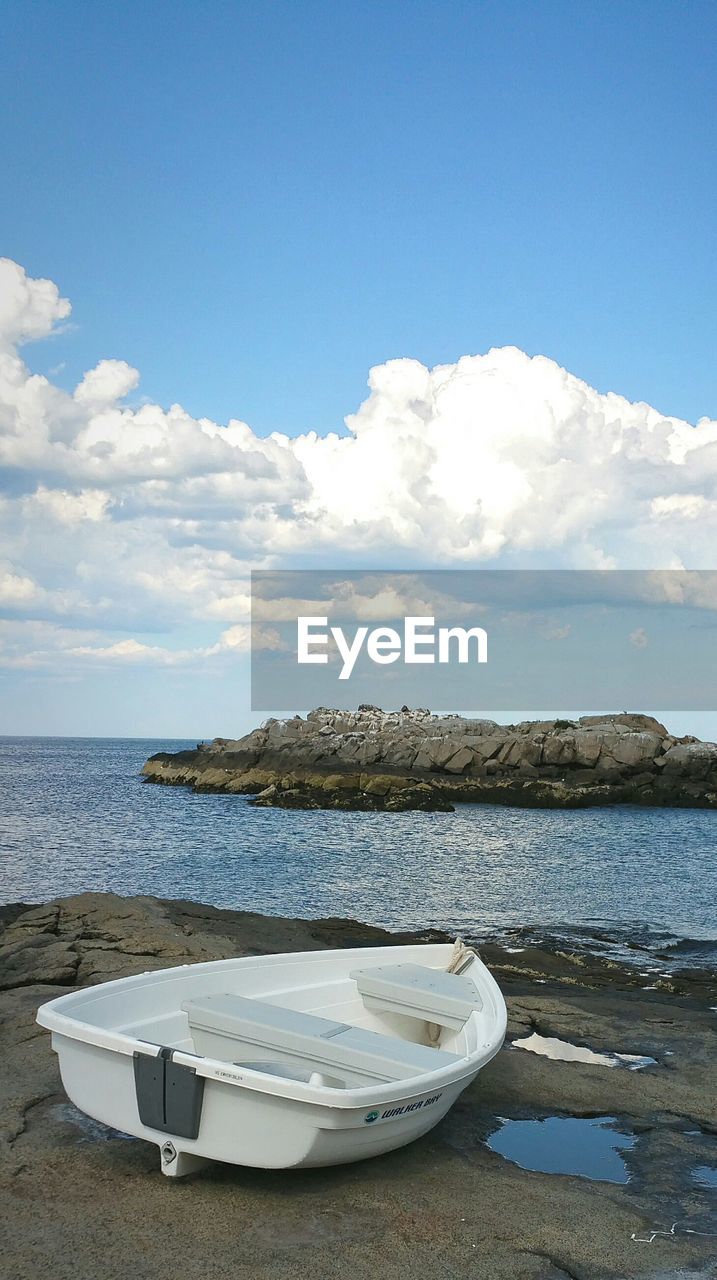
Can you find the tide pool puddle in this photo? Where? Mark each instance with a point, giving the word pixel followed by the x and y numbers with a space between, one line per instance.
pixel 564 1051
pixel 565 1144
pixel 705 1176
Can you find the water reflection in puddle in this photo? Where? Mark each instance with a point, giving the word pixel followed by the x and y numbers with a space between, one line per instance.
pixel 705 1176
pixel 565 1144
pixel 564 1051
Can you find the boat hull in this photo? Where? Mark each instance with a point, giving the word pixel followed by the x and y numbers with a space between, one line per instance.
pixel 262 1131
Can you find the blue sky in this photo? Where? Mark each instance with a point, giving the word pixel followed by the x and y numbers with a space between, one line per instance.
pixel 252 205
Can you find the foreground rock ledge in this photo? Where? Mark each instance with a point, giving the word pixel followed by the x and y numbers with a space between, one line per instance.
pixel 80 1201
pixel 371 759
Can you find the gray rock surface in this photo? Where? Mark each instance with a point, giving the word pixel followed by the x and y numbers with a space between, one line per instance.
pixel 80 1201
pixel 618 759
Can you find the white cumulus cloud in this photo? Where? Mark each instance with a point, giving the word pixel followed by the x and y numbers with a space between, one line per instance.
pixel 28 308
pixel 109 381
pixel 118 516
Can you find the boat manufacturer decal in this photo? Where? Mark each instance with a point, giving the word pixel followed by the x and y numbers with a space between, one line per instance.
pixel 392 1113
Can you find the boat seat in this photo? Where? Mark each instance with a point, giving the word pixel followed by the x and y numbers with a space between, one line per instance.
pixel 220 1024
pixel 447 999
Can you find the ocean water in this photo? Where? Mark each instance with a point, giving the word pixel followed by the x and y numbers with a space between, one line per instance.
pixel 75 815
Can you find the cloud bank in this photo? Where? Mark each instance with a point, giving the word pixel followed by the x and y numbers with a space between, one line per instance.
pixel 119 520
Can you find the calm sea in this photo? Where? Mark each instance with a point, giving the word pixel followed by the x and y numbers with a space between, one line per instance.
pixel 75 815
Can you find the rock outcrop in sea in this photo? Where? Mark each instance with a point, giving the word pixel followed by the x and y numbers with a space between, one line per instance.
pixel 412 759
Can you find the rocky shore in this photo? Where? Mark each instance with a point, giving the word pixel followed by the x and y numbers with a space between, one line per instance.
pixel 371 759
pixel 79 1200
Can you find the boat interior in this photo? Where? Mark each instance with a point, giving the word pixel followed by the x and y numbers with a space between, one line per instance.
pixel 366 1025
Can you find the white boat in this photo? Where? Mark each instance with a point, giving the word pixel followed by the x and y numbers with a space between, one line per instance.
pixel 280 1061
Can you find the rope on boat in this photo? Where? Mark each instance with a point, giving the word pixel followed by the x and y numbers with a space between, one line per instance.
pixel 461 957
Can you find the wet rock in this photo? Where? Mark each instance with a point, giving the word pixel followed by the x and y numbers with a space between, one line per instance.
pixel 374 794
pixel 80 1200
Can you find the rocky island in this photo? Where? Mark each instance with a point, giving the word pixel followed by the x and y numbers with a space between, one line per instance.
pixel 80 1200
pixel 412 759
